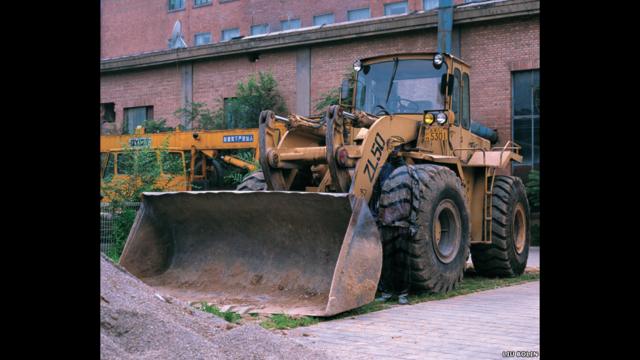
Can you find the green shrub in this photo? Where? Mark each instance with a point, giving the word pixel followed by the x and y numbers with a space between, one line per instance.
pixel 241 111
pixel 332 96
pixel 235 175
pixel 258 93
pixel 143 174
pixel 122 223
pixel 156 126
pixel 533 190
pixel 535 235
pixel 198 116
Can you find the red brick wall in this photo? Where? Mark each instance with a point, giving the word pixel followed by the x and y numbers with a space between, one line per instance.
pixel 493 49
pixel 136 26
pixel 213 80
pixel 160 88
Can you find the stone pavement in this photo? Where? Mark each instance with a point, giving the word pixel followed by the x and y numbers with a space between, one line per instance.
pixel 475 326
pixel 534 257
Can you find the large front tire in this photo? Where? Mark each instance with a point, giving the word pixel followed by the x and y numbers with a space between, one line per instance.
pixel 507 254
pixel 436 253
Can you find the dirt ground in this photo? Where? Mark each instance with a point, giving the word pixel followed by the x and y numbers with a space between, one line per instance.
pixel 138 323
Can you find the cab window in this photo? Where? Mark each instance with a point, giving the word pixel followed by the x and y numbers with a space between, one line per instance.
pixel 128 160
pixel 125 163
pixel 455 98
pixel 107 165
pixel 172 163
pixel 466 117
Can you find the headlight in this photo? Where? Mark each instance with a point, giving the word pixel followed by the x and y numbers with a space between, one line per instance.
pixel 428 118
pixel 438 60
pixel 441 118
pixel 357 65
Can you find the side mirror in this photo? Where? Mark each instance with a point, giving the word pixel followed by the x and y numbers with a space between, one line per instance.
pixel 344 93
pixel 450 85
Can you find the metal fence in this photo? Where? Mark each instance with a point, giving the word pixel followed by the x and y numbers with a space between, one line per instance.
pixel 108 218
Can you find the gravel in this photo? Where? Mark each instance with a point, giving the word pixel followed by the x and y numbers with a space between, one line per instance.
pixel 136 323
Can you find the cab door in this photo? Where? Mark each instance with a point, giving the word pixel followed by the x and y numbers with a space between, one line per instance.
pixel 461 137
pixel 456 107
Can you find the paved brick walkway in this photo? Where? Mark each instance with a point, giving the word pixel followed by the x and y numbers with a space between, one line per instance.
pixel 474 326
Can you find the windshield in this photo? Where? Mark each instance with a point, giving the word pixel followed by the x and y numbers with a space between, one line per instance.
pixel 415 87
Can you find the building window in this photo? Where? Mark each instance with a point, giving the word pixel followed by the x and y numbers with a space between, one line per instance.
pixel 197 3
pixel 290 24
pixel 202 39
pixel 526 120
pixel 135 116
pixel 396 8
pixel 259 29
pixel 429 4
pixel 323 19
pixel 358 14
pixel 229 34
pixel 107 112
pixel 176 5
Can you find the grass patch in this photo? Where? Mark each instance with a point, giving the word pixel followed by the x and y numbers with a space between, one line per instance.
pixel 470 284
pixel 229 316
pixel 282 321
pixel 474 283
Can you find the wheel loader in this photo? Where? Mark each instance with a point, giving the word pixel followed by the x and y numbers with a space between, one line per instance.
pixel 398 164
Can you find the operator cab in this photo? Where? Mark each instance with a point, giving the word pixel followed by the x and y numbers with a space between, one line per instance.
pixel 418 83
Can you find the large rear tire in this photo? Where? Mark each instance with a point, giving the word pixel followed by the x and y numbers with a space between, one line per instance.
pixel 507 254
pixel 429 199
pixel 253 182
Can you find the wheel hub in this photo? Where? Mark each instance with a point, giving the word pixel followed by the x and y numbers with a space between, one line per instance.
pixel 519 228
pixel 446 231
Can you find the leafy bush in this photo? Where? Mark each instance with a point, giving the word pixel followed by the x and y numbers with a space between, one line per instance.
pixel 122 224
pixel 533 190
pixel 156 126
pixel 257 94
pixel 535 235
pixel 332 97
pixel 242 111
pixel 235 175
pixel 198 116
pixel 143 173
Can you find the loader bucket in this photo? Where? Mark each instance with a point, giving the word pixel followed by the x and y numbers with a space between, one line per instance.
pixel 296 253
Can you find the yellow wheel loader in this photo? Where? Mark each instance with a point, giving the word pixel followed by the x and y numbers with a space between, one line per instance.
pixel 305 236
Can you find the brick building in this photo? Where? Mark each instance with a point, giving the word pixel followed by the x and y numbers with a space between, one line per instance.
pixel 307 46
